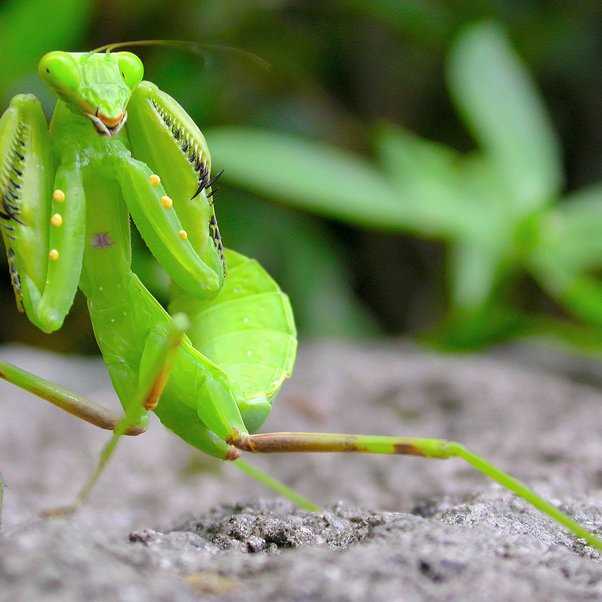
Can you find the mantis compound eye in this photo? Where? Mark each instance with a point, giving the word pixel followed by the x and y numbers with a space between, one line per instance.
pixel 60 70
pixel 131 68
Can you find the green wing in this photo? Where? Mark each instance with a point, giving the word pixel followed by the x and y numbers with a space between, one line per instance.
pixel 248 330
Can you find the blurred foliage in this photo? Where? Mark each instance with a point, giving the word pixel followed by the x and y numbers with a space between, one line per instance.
pixel 496 206
pixel 29 29
pixel 373 207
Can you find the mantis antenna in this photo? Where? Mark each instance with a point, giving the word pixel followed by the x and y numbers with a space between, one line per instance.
pixel 192 47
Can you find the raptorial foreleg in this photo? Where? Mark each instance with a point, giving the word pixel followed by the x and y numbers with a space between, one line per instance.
pixel 43 231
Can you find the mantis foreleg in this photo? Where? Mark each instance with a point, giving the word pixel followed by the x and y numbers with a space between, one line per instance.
pixel 152 210
pixel 247 329
pixel 50 305
pixel 164 136
pixel 43 231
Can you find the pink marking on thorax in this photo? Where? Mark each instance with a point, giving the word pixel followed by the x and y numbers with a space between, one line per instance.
pixel 102 240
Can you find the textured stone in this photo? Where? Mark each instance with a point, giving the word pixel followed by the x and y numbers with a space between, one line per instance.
pixel 166 523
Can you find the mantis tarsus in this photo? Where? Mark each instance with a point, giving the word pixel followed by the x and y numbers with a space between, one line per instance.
pixel 117 147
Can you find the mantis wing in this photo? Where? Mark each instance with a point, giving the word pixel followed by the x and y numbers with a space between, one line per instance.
pixel 248 329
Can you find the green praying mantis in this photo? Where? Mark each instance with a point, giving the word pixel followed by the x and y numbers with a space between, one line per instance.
pixel 210 367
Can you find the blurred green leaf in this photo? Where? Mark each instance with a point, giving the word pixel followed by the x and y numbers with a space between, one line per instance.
pixel 569 239
pixel 30 28
pixel 318 280
pixel 308 175
pixel 429 181
pixel 498 100
pixel 487 324
pixel 479 260
pixel 569 253
pixel 583 296
pixel 473 269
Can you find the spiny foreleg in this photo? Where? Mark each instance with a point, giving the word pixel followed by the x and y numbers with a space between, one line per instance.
pixel 164 136
pixel 43 231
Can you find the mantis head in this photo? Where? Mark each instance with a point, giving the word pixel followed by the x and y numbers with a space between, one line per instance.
pixel 95 84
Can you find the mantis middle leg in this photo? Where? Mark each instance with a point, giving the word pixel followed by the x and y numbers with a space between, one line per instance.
pixel 66 400
pixel 155 367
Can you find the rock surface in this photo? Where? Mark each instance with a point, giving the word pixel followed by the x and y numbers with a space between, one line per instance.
pixel 165 523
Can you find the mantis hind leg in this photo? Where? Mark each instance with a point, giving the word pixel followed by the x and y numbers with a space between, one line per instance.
pixel 428 448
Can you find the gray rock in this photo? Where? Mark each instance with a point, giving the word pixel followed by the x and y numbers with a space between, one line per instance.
pixel 166 523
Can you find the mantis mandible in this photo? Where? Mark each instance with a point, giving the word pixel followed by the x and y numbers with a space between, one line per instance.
pixel 118 146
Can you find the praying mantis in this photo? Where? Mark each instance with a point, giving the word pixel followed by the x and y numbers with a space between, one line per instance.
pixel 209 368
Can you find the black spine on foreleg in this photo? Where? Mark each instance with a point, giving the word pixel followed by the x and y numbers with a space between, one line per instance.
pixel 11 176
pixel 189 147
